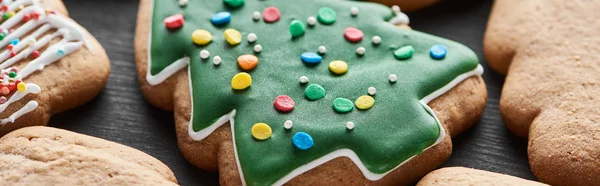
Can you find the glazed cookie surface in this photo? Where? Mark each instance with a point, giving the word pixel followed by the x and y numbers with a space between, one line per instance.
pixel 550 53
pixel 467 176
pixel 49 156
pixel 49 63
pixel 267 93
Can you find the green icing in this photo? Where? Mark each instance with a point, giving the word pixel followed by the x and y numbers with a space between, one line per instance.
pixel 395 129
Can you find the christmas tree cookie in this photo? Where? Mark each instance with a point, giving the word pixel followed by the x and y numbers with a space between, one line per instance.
pixel 49 63
pixel 273 92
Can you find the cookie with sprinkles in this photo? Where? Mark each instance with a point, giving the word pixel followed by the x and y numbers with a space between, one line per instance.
pixel 49 63
pixel 333 97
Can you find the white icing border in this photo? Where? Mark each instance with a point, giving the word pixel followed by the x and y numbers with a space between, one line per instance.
pixel 200 135
pixel 169 70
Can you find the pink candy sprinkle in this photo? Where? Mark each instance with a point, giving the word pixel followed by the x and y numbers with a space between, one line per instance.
pixel 353 34
pixel 271 14
pixel 2 100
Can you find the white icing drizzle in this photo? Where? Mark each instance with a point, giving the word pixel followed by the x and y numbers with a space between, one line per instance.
pixel 31 88
pixel 200 135
pixel 73 39
pixel 30 106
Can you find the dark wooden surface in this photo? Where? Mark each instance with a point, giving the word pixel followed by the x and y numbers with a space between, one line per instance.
pixel 121 114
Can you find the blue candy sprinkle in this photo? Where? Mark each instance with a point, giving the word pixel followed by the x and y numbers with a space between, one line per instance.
pixel 221 18
pixel 311 58
pixel 302 141
pixel 14 42
pixel 438 51
pixel 60 52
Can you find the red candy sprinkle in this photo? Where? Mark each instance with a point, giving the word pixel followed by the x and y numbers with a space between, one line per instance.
pixel 26 17
pixel 12 54
pixel 35 54
pixel 353 34
pixel 10 47
pixel 271 14
pixel 284 103
pixel 12 86
pixel 174 21
pixel 4 8
pixel 36 15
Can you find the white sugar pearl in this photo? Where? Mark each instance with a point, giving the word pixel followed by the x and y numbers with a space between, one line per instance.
pixel 376 40
pixel 350 125
pixel 371 91
pixel 311 21
pixel 303 79
pixel 353 11
pixel 257 48
pixel 183 2
pixel 361 51
pixel 393 78
pixel 217 60
pixel 251 37
pixel 322 49
pixel 396 8
pixel 204 54
pixel 256 15
pixel 288 124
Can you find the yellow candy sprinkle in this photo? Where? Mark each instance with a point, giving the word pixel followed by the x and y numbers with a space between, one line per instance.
pixel 11 14
pixel 241 81
pixel 21 87
pixel 261 131
pixel 364 102
pixel 201 37
pixel 338 67
pixel 233 36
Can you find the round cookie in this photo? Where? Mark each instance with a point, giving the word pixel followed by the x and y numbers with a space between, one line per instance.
pixel 551 90
pixel 49 156
pixel 316 146
pixel 59 63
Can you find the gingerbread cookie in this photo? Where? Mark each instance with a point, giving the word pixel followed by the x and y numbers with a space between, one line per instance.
pixel 50 63
pixel 49 156
pixel 268 93
pixel 467 176
pixel 549 51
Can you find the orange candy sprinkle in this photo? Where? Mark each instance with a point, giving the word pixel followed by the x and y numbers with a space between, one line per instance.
pixel 247 61
pixel 5 90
